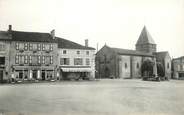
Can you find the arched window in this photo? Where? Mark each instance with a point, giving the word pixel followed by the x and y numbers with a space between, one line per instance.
pixel 168 65
pixel 137 65
pixel 126 65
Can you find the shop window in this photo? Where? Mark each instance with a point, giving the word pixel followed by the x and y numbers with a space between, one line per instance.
pixel 78 52
pixel 78 61
pixel 2 60
pixel 87 61
pixel 17 46
pixel 64 61
pixel 64 51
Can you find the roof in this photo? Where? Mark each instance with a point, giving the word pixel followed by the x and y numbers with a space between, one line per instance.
pixel 63 43
pixel 129 52
pixel 179 58
pixel 30 36
pixel 145 37
pixel 161 55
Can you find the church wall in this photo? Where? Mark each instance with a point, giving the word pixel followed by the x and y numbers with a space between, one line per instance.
pixel 136 66
pixel 124 66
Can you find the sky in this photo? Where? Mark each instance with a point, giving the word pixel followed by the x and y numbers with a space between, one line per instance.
pixel 116 23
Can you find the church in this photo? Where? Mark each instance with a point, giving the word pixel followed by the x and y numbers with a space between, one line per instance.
pixel 124 63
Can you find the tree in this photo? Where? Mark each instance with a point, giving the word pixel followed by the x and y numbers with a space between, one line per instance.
pixel 160 70
pixel 147 68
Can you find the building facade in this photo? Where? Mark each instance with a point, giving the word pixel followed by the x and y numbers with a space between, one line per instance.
pixel 75 61
pixel 124 63
pixel 28 55
pixel 178 67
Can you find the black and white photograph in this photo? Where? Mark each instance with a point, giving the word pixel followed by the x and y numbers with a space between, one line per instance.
pixel 91 57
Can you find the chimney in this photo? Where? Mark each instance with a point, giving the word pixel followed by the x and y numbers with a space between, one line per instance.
pixel 86 42
pixel 10 28
pixel 53 33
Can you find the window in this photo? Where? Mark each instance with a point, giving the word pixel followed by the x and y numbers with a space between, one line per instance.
pixel 30 46
pixel 78 52
pixel 26 59
pixel 137 65
pixel 43 59
pixel 17 59
pixel 43 47
pixel 126 65
pixel 87 61
pixel 78 61
pixel 87 52
pixel 39 59
pixel 168 66
pixel 39 47
pixel 21 59
pixel 64 51
pixel 30 59
pixel 64 61
pixel 178 67
pixel 25 46
pixel 2 47
pixel 17 46
pixel 51 47
pixel 51 59
pixel 183 67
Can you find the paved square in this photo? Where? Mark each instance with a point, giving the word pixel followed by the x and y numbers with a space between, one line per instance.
pixel 104 97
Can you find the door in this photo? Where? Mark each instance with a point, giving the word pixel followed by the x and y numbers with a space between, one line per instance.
pixel 34 74
pixel 1 76
pixel 43 75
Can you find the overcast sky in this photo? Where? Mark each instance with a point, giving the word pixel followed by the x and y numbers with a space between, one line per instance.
pixel 117 23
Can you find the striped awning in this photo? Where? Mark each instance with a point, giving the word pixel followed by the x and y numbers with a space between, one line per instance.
pixel 76 69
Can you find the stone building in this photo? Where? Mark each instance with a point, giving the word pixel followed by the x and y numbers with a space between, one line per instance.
pixel 28 55
pixel 178 67
pixel 75 61
pixel 124 63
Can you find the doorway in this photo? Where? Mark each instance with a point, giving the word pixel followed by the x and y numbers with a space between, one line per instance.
pixel 1 76
pixel 43 74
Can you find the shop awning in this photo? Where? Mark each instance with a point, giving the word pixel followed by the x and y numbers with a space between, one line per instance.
pixel 76 69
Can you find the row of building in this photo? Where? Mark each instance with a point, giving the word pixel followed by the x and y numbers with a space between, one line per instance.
pixel 43 56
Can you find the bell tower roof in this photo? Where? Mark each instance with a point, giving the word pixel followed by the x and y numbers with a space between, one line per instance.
pixel 145 37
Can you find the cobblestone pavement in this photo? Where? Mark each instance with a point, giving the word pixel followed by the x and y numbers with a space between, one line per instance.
pixel 104 97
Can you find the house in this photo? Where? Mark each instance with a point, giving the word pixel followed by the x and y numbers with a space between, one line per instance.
pixel 124 63
pixel 28 55
pixel 178 67
pixel 75 61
